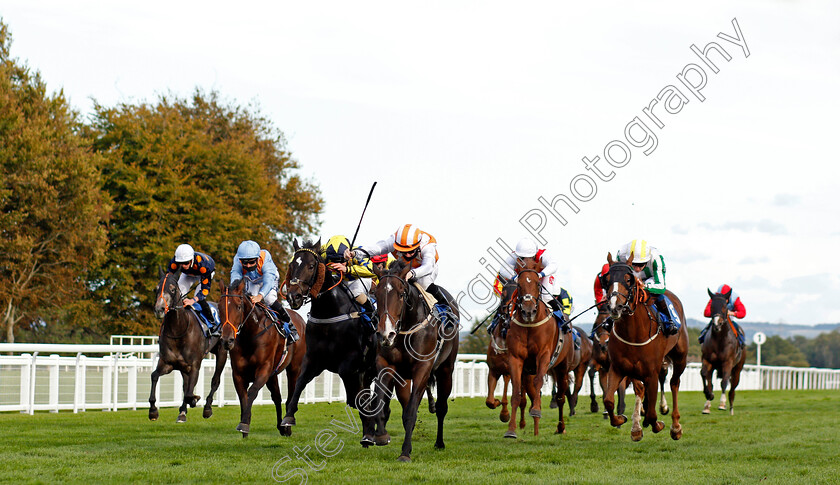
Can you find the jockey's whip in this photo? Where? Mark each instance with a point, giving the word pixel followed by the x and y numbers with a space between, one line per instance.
pixel 472 332
pixel 363 216
pixel 581 313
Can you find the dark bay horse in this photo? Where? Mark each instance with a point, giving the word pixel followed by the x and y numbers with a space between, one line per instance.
pixel 415 348
pixel 600 363
pixel 722 353
pixel 182 347
pixel 497 358
pixel 335 338
pixel 637 349
pixel 535 342
pixel 258 351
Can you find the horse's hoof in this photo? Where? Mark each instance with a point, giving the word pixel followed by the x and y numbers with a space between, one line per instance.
pixel 504 416
pixel 382 440
pixel 664 410
pixel 153 415
pixel 676 433
pixel 636 435
pixel 208 411
pixel 732 412
pixel 182 418
pixel 492 404
pixel 288 421
pixel 706 411
pixel 535 413
pixel 553 404
pixel 194 401
pixel 404 458
pixel 432 408
pixel 657 426
pixel 619 420
pixel 572 412
pixel 243 428
pixel 593 408
pixel 722 408
pixel 440 446
pixel 561 429
pixel 606 415
pixel 366 441
pixel 285 430
pixel 510 434
pixel 522 424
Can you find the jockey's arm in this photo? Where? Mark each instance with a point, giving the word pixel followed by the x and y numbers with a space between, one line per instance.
pixel 381 247
pixel 548 263
pixel 708 311
pixel 270 276
pixel 740 309
pixel 507 269
pixel 655 283
pixel 427 263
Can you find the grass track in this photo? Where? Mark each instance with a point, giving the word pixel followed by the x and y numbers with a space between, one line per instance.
pixel 775 437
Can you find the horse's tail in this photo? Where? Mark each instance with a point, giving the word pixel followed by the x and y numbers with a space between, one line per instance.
pixel 432 381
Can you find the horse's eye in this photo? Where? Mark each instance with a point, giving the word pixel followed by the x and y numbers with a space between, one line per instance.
pixel 311 265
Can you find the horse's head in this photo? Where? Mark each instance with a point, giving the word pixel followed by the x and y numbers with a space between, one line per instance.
pixel 528 287
pixel 602 334
pixel 622 286
pixel 719 307
pixel 167 293
pixel 234 308
pixel 392 295
pixel 306 273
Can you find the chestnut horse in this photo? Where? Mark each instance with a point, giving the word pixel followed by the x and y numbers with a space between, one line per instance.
pixel 182 347
pixel 415 348
pixel 637 349
pixel 497 358
pixel 722 353
pixel 535 341
pixel 258 351
pixel 600 363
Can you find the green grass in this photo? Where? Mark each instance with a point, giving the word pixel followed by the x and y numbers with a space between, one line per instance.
pixel 775 437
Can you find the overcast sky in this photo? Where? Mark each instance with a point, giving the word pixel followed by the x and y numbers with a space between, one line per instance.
pixel 467 114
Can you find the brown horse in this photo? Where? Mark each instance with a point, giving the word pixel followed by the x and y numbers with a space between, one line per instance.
pixel 600 363
pixel 722 353
pixel 580 365
pixel 415 348
pixel 637 349
pixel 258 351
pixel 182 347
pixel 534 341
pixel 497 358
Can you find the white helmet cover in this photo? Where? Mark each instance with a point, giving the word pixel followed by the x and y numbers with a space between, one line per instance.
pixel 526 248
pixel 184 253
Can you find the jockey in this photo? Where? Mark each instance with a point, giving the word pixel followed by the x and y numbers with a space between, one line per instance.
pixel 381 263
pixel 195 268
pixel 359 276
pixel 735 308
pixel 527 248
pixel 261 276
pixel 418 249
pixel 649 266
pixel 601 296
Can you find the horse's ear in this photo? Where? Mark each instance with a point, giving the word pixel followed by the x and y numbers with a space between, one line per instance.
pixel 378 270
pixel 404 270
pixel 630 258
pixel 711 295
pixel 295 244
pixel 317 246
pixel 160 271
pixel 609 259
pixel 728 294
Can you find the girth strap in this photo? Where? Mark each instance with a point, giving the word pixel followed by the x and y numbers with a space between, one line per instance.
pixel 336 319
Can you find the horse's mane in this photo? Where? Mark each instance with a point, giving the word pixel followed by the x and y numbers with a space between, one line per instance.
pixel 234 284
pixel 396 267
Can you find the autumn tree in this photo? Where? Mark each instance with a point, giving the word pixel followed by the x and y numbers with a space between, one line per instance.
pixel 199 171
pixel 50 206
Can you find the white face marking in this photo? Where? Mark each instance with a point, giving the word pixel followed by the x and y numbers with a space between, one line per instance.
pixel 614 299
pixel 388 287
pixel 528 279
pixel 299 261
pixel 389 326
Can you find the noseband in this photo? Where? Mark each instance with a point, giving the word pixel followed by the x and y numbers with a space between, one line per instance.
pixel 406 303
pixel 634 294
pixel 527 297
pixel 227 314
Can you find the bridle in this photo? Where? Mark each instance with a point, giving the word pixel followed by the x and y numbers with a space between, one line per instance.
pixel 636 294
pixel 404 297
pixel 521 298
pixel 314 284
pixel 723 315
pixel 226 295
pixel 176 297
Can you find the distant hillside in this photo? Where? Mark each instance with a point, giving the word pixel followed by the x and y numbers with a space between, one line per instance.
pixel 784 330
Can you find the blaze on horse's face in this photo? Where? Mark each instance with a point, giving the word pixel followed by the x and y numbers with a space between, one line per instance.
pixel 231 312
pixel 621 282
pixel 166 293
pixel 302 274
pixel 529 288
pixel 718 308
pixel 391 296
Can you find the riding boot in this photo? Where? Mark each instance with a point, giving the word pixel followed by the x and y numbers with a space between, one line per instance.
pixel 668 315
pixel 741 335
pixel 703 333
pixel 493 323
pixel 208 315
pixel 562 324
pixel 442 308
pixel 576 338
pixel 369 316
pixel 283 316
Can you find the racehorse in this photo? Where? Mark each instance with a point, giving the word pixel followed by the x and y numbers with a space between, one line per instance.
pixel 722 353
pixel 258 351
pixel 637 349
pixel 497 358
pixel 415 348
pixel 335 338
pixel 534 345
pixel 182 347
pixel 580 365
pixel 600 363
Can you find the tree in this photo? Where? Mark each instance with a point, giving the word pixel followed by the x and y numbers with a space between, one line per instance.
pixel 779 351
pixel 197 171
pixel 50 207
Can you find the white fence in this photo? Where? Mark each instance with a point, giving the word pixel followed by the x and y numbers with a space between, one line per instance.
pixel 31 381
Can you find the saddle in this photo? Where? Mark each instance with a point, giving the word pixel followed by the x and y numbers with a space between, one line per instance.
pixel 202 322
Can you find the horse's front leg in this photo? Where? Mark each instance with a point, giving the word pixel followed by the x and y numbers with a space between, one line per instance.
pixel 561 377
pixel 190 378
pixel 504 415
pixel 162 370
pixel 679 367
pixel 706 374
pixel 492 379
pixel 593 403
pixel 515 366
pixel 273 385
pixel 663 403
pixel 221 359
pixel 636 430
pixel 613 380
pixel 725 376
pixel 543 359
pixel 309 370
pixel 420 379
pixel 241 386
pixel 379 409
pixel 733 383
pixel 651 391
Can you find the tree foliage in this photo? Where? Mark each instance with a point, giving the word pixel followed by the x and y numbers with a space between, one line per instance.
pixel 779 351
pixel 475 343
pixel 197 171
pixel 50 205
